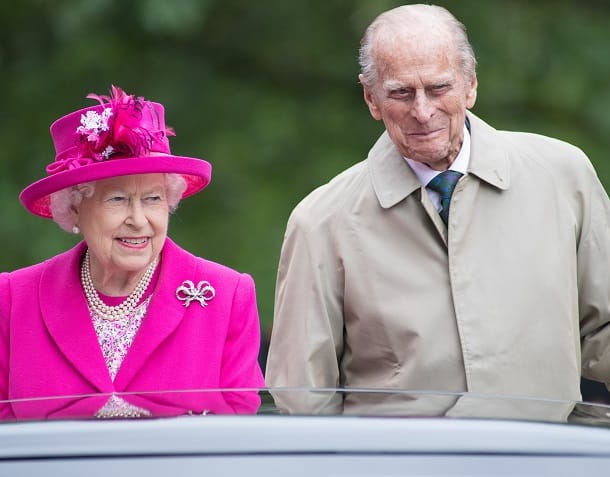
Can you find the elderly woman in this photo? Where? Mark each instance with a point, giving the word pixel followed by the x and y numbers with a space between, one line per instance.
pixel 125 315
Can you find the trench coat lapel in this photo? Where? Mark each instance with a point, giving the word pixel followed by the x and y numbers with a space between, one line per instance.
pixel 488 159
pixel 66 315
pixel 163 316
pixel 393 179
pixel 391 176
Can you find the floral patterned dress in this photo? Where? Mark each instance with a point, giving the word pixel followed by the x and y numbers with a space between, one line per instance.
pixel 115 338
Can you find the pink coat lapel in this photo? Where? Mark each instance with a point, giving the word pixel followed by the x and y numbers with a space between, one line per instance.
pixel 163 316
pixel 75 335
pixel 60 294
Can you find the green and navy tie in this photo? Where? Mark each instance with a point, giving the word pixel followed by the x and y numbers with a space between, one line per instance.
pixel 443 184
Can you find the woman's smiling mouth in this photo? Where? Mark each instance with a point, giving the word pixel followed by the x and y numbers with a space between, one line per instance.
pixel 134 242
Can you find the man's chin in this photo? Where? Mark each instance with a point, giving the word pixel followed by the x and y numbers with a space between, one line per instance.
pixel 433 159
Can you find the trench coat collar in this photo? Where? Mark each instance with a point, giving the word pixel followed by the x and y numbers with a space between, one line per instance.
pixel 66 315
pixel 393 180
pixel 488 159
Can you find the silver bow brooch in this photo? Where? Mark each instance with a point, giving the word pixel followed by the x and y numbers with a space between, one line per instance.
pixel 188 292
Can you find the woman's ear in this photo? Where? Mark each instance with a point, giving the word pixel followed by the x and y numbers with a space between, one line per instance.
pixel 74 215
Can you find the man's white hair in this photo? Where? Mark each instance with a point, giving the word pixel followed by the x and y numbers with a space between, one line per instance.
pixel 400 19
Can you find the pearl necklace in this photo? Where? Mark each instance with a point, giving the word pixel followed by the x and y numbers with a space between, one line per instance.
pixel 112 313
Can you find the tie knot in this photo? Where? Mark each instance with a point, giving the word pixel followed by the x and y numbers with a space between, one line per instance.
pixel 444 183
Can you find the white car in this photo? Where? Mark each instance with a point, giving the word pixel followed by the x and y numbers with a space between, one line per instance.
pixel 567 439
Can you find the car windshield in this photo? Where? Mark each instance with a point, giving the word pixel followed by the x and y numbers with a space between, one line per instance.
pixel 306 401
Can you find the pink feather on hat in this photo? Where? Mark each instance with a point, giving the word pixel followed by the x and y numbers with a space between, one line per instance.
pixel 123 135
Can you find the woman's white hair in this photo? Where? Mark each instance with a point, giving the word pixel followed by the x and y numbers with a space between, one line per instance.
pixel 65 200
pixel 399 19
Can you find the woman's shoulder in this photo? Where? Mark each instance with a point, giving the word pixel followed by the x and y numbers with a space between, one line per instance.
pixel 34 271
pixel 28 272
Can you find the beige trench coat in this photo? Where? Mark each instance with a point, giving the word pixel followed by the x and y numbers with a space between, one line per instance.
pixel 513 297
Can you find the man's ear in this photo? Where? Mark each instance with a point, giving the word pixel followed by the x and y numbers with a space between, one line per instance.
pixel 370 100
pixel 471 92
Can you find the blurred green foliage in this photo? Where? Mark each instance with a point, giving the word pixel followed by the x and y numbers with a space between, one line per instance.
pixel 267 91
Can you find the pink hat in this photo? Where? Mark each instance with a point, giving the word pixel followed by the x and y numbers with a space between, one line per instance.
pixel 122 135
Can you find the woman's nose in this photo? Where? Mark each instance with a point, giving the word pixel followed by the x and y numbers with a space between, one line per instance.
pixel 136 215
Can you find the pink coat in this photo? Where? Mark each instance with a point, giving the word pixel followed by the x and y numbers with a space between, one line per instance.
pixel 48 346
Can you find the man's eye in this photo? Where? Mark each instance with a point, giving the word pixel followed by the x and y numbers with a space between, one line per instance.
pixel 440 89
pixel 400 93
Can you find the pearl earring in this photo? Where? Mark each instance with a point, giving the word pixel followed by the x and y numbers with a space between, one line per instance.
pixel 75 229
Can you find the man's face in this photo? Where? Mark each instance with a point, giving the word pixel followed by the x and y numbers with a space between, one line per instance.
pixel 421 95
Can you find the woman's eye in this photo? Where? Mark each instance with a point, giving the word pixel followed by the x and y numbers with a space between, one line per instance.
pixel 117 199
pixel 153 198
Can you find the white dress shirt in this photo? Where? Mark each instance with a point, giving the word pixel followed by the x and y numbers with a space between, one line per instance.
pixel 425 174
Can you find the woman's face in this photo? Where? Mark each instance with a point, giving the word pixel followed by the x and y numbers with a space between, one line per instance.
pixel 125 222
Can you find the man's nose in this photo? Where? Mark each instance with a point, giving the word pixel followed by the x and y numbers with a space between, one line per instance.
pixel 422 108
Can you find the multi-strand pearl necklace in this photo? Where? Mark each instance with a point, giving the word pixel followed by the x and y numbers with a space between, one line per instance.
pixel 118 312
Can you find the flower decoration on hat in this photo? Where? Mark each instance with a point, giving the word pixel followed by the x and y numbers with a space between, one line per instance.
pixel 92 129
pixel 119 135
pixel 125 126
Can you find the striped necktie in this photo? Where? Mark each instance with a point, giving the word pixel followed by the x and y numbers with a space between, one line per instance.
pixel 443 184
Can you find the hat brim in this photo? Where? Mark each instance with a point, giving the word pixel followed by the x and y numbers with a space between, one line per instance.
pixel 197 173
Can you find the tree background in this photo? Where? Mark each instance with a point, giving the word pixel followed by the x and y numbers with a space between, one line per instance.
pixel 267 91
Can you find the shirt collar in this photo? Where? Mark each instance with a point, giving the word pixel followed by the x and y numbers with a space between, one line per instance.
pixel 393 179
pixel 425 174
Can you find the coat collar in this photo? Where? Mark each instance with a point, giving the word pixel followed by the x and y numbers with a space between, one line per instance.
pixel 165 312
pixel 488 159
pixel 391 176
pixel 64 310
pixel 393 180
pixel 65 313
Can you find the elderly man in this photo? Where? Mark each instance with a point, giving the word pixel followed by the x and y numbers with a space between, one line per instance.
pixel 455 258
